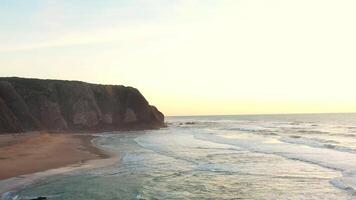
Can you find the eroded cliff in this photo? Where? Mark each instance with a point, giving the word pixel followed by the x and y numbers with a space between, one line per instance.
pixel 55 105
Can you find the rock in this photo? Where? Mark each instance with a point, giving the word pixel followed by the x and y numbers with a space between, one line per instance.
pixel 8 122
pixel 34 104
pixel 158 116
pixel 107 118
pixel 18 106
pixel 130 116
pixel 51 115
pixel 40 198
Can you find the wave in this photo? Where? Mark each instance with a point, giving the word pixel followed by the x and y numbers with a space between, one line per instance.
pixel 316 142
pixel 314 132
pixel 14 196
pixel 9 196
pixel 341 184
pixel 328 158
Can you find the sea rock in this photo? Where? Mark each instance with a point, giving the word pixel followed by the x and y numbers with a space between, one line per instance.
pixel 35 104
pixel 39 198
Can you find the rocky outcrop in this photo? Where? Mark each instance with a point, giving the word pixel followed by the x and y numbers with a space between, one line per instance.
pixel 54 105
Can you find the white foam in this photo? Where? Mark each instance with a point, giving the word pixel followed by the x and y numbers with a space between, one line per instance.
pixel 344 162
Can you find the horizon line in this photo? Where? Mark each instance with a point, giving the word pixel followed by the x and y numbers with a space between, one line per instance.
pixel 211 115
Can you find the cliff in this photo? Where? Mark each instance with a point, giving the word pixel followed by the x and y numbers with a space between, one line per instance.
pixel 55 105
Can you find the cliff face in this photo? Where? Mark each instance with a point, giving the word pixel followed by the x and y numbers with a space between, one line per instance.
pixel 54 105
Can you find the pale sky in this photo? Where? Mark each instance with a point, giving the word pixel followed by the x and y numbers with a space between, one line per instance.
pixel 192 56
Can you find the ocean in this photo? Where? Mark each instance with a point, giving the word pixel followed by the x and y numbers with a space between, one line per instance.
pixel 302 156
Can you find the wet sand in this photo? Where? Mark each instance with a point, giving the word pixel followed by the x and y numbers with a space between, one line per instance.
pixel 28 153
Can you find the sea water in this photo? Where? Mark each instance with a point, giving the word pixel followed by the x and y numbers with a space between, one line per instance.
pixel 219 157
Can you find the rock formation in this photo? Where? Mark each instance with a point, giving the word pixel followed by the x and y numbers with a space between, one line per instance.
pixel 55 105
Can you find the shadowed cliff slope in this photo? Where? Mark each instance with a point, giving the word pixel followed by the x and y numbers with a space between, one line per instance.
pixel 55 105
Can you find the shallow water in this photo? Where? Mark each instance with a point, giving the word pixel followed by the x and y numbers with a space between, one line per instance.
pixel 221 157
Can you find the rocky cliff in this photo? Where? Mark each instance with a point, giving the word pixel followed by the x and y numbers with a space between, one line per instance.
pixel 55 105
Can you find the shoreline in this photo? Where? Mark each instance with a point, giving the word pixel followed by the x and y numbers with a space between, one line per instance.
pixel 29 157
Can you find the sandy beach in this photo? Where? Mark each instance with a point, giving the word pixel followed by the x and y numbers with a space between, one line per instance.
pixel 22 154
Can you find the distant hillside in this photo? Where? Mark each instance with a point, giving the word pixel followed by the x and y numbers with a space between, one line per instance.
pixel 55 105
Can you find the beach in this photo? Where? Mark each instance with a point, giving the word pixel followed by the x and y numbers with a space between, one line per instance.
pixel 309 156
pixel 29 153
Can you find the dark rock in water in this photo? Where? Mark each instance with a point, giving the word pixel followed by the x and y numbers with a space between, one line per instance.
pixel 190 123
pixel 40 198
pixel 55 105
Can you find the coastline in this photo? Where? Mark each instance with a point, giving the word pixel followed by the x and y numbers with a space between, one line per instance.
pixel 28 157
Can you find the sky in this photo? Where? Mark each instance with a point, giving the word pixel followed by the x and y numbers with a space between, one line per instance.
pixel 192 57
